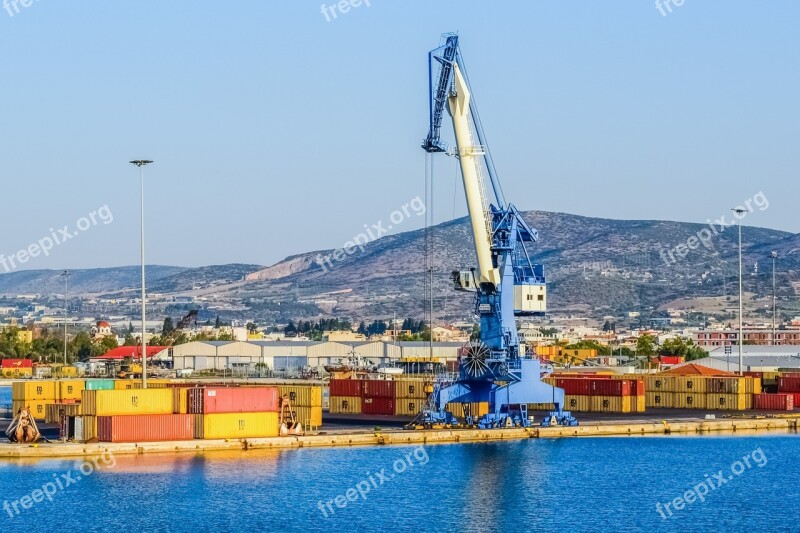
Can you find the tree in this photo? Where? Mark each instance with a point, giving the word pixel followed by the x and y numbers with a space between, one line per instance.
pixel 645 345
pixel 168 327
pixel 217 323
pixel 130 328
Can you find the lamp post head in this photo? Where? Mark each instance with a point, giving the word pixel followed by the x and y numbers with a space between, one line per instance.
pixel 140 162
pixel 773 254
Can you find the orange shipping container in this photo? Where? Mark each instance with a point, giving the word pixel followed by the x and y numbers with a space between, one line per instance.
pixel 145 428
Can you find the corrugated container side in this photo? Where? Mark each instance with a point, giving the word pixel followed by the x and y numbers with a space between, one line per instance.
pixel 575 386
pixel 611 404
pixel 726 402
pixel 727 385
pixel 308 415
pixel 377 406
pixel 145 428
pixel 239 425
pixel 127 402
pixel 345 387
pixel 127 384
pixel 411 388
pixel 89 428
pixel 688 400
pixel 53 411
pixel 378 388
pixel 70 390
pixel 611 387
pixel 773 402
pixel 541 407
pixel 659 384
pixel 212 400
pixel 33 390
pixel 753 385
pixel 99 384
pixel 302 395
pixel 578 403
pixel 345 405
pixel 690 384
pixel 408 406
pixel 658 399
pixel 788 384
pixel 641 406
pixel 477 409
pixel 38 408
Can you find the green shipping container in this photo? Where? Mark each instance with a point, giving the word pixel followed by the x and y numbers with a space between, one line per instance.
pixel 99 384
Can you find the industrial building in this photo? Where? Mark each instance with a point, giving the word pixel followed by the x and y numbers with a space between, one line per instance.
pixel 754 358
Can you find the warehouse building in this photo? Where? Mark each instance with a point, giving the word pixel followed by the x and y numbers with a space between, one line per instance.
pixel 754 358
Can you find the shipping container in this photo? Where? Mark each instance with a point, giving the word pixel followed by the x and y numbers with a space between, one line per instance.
pixel 541 407
pixel 412 388
pixel 345 405
pixel 753 385
pixel 638 403
pixel 796 399
pixel 408 406
pixel 302 395
pixel 726 402
pixel 574 402
pixel 145 428
pixel 53 411
pixel 688 400
pixel 658 399
pixel 38 408
pixel 88 431
pixel 377 406
pixel 70 389
pixel 180 403
pixel 773 402
pixel 127 402
pixel 727 385
pixel 638 387
pixel 477 409
pixel 575 386
pixel 659 384
pixel 128 384
pixel 236 425
pixel 308 416
pixel 34 391
pixel 377 388
pixel 690 384
pixel 232 400
pixel 99 384
pixel 611 404
pixel 345 387
pixel 611 387
pixel 788 384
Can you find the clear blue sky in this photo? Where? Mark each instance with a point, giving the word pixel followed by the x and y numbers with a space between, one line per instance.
pixel 276 132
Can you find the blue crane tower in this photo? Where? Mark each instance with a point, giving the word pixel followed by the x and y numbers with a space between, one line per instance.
pixel 507 284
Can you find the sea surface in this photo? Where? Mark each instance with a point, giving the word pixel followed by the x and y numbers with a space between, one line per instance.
pixel 572 484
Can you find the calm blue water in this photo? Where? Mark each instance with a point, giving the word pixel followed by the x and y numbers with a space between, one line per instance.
pixel 5 396
pixel 603 484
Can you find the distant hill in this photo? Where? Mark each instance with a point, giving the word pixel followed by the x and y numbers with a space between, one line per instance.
pixel 94 280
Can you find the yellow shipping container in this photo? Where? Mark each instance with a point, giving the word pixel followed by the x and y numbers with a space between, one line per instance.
pixel 66 372
pixel 38 407
pixel 578 403
pixel 127 402
pixel 302 395
pixel 691 384
pixel 308 415
pixel 658 399
pixel 477 409
pixel 752 386
pixel 611 404
pixel 684 400
pixel 408 406
pixel 180 402
pixel 89 428
pixel 236 425
pixel 411 388
pixel 34 390
pixel 128 384
pixel 770 378
pixel 541 407
pixel 727 402
pixel 53 411
pixel 70 390
pixel 659 384
pixel 345 405
pixel 17 372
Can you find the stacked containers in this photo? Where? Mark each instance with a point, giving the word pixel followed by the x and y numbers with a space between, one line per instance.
pixel 773 402
pixel 224 412
pixel 128 415
pixel 410 395
pixel 789 383
pixel 345 396
pixel 34 395
pixel 377 397
pixel 730 393
pixel 306 402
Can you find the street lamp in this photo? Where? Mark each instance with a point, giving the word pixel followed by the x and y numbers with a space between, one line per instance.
pixel 141 164
pixel 739 211
pixel 65 275
pixel 774 256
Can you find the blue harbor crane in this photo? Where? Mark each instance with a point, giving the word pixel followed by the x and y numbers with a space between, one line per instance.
pixel 507 284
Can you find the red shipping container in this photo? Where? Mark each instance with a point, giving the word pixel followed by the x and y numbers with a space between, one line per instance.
pixel 345 387
pixel 611 387
pixel 671 359
pixel 145 428
pixel 751 374
pixel 233 400
pixel 16 363
pixel 377 406
pixel 773 402
pixel 796 396
pixel 637 387
pixel 788 384
pixel 575 386
pixel 377 388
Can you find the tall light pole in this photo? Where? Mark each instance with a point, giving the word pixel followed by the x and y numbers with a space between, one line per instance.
pixel 141 164
pixel 774 256
pixel 65 275
pixel 739 211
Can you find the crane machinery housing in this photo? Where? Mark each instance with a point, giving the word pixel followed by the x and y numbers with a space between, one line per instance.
pixel 507 284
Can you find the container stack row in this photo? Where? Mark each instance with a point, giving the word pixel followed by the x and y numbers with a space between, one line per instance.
pixel 404 396
pixel 701 392
pixel 598 394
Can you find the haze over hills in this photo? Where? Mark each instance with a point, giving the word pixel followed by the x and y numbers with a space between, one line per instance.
pixel 594 267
